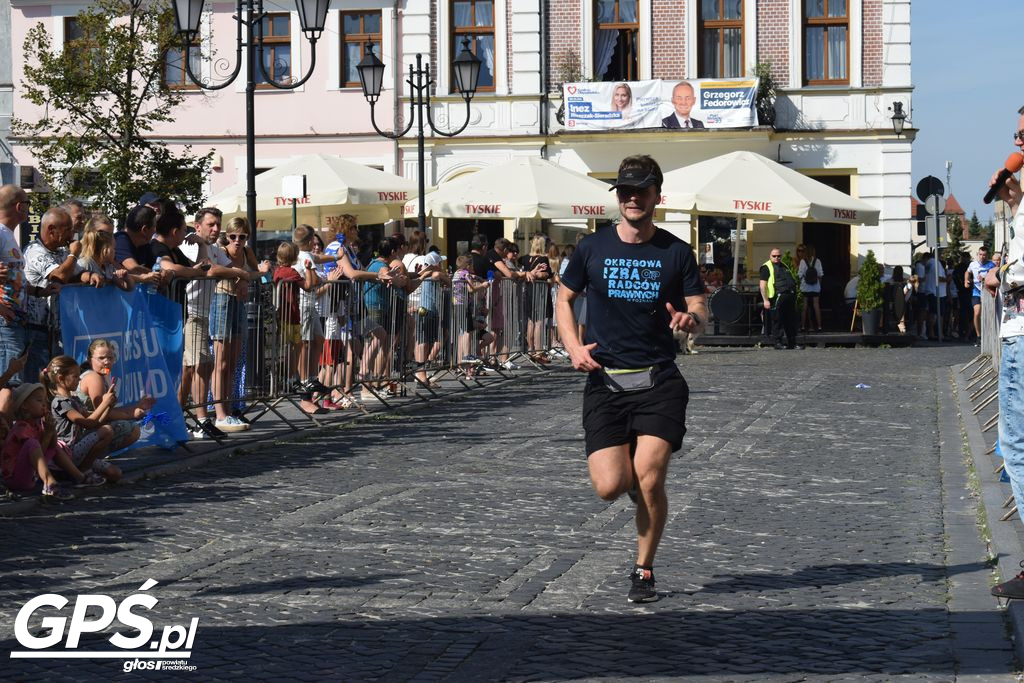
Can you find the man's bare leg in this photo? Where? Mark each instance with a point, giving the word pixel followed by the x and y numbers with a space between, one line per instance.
pixel 650 465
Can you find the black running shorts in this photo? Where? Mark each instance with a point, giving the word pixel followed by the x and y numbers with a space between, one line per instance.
pixel 613 419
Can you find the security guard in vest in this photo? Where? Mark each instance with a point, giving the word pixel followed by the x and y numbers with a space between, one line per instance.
pixel 778 291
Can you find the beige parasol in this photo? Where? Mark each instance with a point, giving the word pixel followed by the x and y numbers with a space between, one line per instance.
pixel 529 187
pixel 748 185
pixel 333 186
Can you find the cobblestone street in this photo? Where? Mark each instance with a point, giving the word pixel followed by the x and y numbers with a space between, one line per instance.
pixel 807 540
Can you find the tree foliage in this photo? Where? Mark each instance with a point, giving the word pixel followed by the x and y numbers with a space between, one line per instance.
pixel 956 234
pixel 101 99
pixel 974 226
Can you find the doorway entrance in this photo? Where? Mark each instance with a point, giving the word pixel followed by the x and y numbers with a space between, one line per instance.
pixel 461 230
pixel 831 242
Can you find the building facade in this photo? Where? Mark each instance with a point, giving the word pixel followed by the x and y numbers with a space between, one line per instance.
pixel 839 66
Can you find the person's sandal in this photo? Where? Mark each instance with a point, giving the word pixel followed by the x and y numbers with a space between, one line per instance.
pixel 91 480
pixel 56 492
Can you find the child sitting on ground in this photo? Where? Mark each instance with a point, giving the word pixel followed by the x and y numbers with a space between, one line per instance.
pixel 31 446
pixel 94 383
pixel 84 432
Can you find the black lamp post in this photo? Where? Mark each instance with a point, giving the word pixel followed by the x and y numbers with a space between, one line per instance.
pixel 249 16
pixel 898 118
pixel 466 68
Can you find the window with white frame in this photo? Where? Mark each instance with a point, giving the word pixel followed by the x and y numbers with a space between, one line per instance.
pixel 175 75
pixel 616 30
pixel 826 26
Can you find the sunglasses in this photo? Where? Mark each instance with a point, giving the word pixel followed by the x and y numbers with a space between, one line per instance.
pixel 1019 135
pixel 238 238
pixel 776 256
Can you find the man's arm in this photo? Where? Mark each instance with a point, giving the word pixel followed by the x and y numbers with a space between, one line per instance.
pixel 763 285
pixel 65 271
pixel 579 354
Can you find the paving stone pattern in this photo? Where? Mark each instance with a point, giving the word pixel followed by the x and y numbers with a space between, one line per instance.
pixel 463 542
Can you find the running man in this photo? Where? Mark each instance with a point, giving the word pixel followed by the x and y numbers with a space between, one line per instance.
pixel 642 285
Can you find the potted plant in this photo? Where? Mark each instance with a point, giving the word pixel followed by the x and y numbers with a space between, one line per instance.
pixel 869 293
pixel 764 98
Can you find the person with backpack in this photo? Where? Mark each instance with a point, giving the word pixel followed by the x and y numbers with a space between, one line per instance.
pixel 809 271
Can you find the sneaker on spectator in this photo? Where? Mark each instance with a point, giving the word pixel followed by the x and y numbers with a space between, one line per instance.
pixel 472 360
pixel 642 589
pixel 91 480
pixel 509 365
pixel 205 429
pixel 231 424
pixel 56 492
pixel 240 415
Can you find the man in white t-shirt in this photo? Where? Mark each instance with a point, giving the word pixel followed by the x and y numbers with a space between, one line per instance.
pixel 1011 363
pixel 198 360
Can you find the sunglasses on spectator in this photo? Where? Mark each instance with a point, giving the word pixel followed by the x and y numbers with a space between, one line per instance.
pixel 238 238
pixel 1019 135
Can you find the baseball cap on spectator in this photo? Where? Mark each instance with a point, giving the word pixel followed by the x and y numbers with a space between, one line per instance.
pixel 21 393
pixel 432 259
pixel 149 198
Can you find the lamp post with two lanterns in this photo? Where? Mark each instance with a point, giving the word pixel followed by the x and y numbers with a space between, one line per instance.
pixel 250 18
pixel 466 71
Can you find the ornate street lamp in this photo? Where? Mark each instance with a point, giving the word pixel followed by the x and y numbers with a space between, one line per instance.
pixel 249 16
pixel 466 69
pixel 898 118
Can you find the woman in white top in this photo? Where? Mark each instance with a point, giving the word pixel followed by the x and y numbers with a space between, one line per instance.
pixel 810 285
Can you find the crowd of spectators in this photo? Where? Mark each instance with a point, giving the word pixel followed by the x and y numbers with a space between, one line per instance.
pixel 334 327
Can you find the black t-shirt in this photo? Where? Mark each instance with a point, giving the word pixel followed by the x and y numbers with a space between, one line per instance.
pixel 531 261
pixel 784 282
pixel 481 264
pixel 162 251
pixel 125 248
pixel 493 258
pixel 627 287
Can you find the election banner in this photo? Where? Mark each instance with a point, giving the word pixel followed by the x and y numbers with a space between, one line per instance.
pixel 611 106
pixel 145 330
pixel 634 105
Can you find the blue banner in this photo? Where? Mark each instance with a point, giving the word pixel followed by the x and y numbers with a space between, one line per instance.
pixel 146 331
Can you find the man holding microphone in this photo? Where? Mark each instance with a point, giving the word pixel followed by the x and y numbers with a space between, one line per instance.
pixel 1011 367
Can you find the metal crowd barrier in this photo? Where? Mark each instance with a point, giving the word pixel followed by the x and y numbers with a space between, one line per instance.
pixel 250 345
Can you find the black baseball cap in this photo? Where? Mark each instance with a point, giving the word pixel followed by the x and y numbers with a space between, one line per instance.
pixel 149 198
pixel 640 178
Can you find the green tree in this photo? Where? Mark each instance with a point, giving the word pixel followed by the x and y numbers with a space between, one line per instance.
pixel 956 234
pixel 101 98
pixel 974 226
pixel 988 234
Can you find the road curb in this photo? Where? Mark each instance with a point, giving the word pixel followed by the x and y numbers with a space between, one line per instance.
pixel 1005 543
pixel 164 469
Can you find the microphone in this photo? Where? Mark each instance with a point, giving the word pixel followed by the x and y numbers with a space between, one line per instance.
pixel 1014 162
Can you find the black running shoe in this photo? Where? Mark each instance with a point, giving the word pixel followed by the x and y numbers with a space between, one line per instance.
pixel 643 585
pixel 1012 589
pixel 315 386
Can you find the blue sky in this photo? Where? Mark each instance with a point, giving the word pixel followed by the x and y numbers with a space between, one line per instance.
pixel 965 101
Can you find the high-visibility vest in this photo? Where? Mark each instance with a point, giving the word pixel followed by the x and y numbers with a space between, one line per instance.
pixel 771 278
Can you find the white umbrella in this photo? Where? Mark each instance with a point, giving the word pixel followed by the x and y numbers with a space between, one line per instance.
pixel 333 186
pixel 748 185
pixel 529 187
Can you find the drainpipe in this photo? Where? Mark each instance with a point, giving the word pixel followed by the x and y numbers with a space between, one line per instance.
pixel 544 75
pixel 397 75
